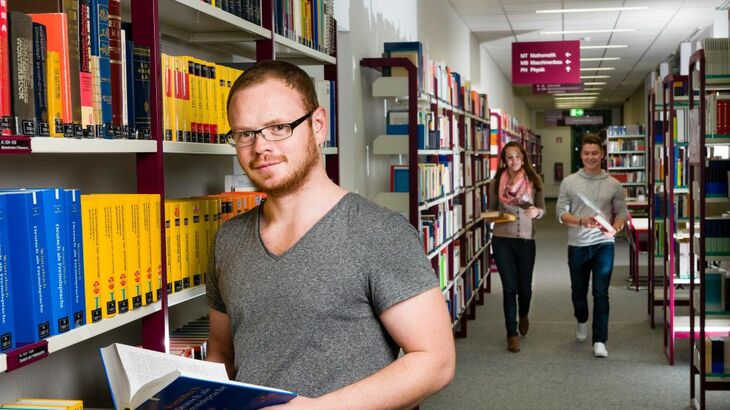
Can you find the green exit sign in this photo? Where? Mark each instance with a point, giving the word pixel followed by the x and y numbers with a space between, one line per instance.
pixel 576 112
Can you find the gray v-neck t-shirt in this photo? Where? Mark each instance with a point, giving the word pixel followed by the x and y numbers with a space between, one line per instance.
pixel 307 320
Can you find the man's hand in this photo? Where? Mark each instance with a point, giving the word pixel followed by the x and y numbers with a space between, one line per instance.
pixel 588 222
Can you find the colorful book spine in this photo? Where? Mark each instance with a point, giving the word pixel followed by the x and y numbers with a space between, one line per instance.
pixel 75 256
pixel 56 241
pixel 115 59
pixel 93 276
pixel 5 107
pixel 29 277
pixel 142 118
pixel 21 73
pixel 105 129
pixel 39 77
pixel 7 320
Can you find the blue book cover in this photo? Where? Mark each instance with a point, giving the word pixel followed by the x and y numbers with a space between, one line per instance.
pixel 7 339
pixel 105 70
pixel 141 74
pixel 150 380
pixel 94 26
pixel 75 257
pixel 54 218
pixel 28 257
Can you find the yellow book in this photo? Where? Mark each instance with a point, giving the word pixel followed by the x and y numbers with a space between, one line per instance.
pixel 121 269
pixel 93 283
pixel 53 89
pixel 66 404
pixel 195 242
pixel 132 223
pixel 156 245
pixel 221 77
pixel 176 250
pixel 145 248
pixel 204 237
pixel 109 280
pixel 166 93
pixel 185 248
pixel 194 98
pixel 168 245
pixel 214 104
pixel 23 406
pixel 204 107
pixel 182 96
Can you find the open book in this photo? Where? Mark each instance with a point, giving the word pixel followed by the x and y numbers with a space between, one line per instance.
pixel 145 379
pixel 498 217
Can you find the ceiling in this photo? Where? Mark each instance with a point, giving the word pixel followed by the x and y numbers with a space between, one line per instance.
pixel 659 30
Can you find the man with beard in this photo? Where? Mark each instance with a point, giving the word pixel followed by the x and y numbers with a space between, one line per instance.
pixel 317 290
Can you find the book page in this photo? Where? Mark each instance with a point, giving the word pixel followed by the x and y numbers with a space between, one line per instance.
pixel 143 366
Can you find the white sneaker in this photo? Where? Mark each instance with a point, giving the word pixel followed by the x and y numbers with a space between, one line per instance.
pixel 599 350
pixel 581 331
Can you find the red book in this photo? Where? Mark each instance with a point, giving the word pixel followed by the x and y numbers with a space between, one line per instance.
pixel 115 57
pixel 5 108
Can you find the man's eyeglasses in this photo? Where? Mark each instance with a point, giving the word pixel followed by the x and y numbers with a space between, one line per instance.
pixel 276 132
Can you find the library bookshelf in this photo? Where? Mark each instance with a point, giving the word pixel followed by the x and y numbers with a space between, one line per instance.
pixel 460 254
pixel 94 164
pixel 708 323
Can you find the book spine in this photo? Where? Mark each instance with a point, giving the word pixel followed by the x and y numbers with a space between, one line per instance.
pixel 75 256
pixel 5 107
pixel 54 218
pixel 7 322
pixel 21 68
pixel 71 9
pixel 93 277
pixel 29 277
pixel 168 246
pixel 105 129
pixel 39 76
pixel 115 60
pixel 53 94
pixel 129 86
pixel 142 118
pixel 86 88
pixel 133 220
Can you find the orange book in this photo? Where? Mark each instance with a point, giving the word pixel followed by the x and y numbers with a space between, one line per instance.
pixel 57 40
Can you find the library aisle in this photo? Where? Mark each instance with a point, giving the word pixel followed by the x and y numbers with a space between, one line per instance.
pixel 553 370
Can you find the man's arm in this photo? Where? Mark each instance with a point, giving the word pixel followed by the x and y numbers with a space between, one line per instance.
pixel 422 328
pixel 220 342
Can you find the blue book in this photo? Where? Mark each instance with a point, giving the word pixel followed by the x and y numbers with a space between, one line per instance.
pixel 56 241
pixel 7 339
pixel 28 257
pixel 192 383
pixel 142 118
pixel 105 70
pixel 130 85
pixel 94 27
pixel 75 257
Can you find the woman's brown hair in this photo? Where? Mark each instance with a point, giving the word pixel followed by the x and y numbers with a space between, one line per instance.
pixel 526 165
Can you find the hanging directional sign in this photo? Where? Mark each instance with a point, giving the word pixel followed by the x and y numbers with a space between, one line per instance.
pixel 546 62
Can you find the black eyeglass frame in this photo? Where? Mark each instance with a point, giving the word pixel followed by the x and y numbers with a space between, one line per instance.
pixel 231 139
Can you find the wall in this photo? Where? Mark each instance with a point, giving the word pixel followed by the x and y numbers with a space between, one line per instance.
pixel 556 148
pixel 634 109
pixel 361 117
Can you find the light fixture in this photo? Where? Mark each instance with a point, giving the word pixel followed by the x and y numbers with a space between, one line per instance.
pixel 595 76
pixel 603 30
pixel 596 9
pixel 596 83
pixel 600 59
pixel 573 95
pixel 606 46
pixel 593 89
pixel 597 68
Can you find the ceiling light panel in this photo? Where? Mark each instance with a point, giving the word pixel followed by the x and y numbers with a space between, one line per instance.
pixel 589 31
pixel 597 68
pixel 589 10
pixel 600 59
pixel 595 76
pixel 598 47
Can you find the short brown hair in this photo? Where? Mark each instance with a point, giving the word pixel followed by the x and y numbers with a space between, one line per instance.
pixel 288 73
pixel 591 139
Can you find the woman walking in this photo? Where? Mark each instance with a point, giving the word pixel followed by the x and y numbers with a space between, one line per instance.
pixel 518 190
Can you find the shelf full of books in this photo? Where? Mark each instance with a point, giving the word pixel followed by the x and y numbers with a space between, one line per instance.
pixel 709 223
pixel 437 139
pixel 626 158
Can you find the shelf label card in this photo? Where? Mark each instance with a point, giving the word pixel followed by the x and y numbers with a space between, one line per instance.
pixel 546 62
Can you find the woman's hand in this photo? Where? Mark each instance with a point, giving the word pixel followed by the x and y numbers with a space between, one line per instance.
pixel 532 212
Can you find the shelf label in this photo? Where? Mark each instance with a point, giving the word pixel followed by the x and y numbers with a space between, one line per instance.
pixel 14 144
pixel 27 354
pixel 546 62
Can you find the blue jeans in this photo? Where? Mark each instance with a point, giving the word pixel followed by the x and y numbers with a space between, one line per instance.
pixel 515 260
pixel 598 260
